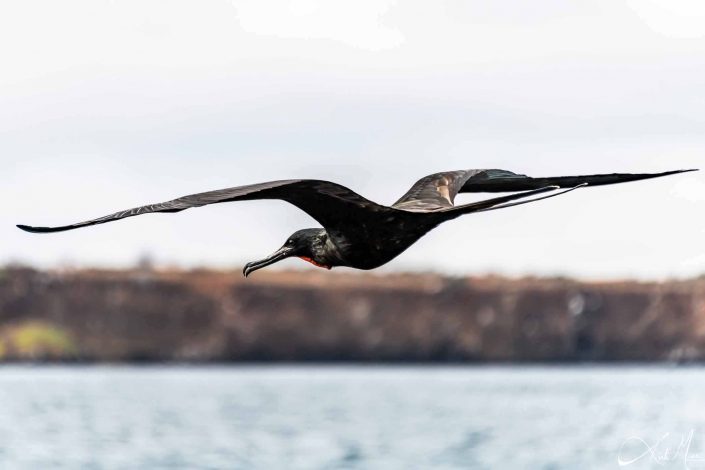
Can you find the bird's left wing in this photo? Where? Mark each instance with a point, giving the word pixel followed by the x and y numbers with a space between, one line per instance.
pixel 437 191
pixel 434 192
pixel 501 181
pixel 329 203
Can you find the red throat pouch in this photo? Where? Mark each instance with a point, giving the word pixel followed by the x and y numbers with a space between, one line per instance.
pixel 306 258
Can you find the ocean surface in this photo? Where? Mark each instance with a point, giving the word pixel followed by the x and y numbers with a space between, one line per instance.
pixel 352 417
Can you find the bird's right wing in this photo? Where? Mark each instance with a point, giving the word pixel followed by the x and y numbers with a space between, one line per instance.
pixel 330 204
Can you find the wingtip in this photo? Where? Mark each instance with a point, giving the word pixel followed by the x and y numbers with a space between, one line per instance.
pixel 30 229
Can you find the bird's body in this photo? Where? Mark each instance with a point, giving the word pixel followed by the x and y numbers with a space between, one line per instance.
pixel 372 244
pixel 362 234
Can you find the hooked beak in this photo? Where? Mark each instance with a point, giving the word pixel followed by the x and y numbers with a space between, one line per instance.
pixel 280 254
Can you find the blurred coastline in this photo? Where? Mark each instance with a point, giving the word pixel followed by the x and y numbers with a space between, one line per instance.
pixel 204 316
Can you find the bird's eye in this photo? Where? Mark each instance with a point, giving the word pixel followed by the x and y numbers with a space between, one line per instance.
pixel 290 241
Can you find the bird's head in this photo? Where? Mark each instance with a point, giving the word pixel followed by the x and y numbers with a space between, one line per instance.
pixel 307 244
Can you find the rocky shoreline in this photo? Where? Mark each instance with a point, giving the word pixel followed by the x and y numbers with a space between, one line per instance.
pixel 217 316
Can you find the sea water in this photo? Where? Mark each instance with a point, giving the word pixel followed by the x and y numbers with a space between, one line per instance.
pixel 352 417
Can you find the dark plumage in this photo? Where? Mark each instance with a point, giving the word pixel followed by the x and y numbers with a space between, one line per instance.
pixel 362 234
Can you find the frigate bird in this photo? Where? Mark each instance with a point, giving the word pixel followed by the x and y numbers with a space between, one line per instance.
pixel 362 234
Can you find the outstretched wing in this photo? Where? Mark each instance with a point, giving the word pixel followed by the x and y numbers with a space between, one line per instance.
pixel 329 203
pixel 437 192
pixel 434 192
pixel 500 181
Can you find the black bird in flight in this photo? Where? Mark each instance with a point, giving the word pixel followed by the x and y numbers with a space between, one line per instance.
pixel 362 234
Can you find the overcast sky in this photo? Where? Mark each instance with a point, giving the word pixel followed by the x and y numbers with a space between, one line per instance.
pixel 106 105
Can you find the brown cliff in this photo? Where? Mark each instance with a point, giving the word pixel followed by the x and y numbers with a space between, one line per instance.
pixel 322 316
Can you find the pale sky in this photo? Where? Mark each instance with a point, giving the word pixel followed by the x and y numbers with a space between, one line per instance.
pixel 107 105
